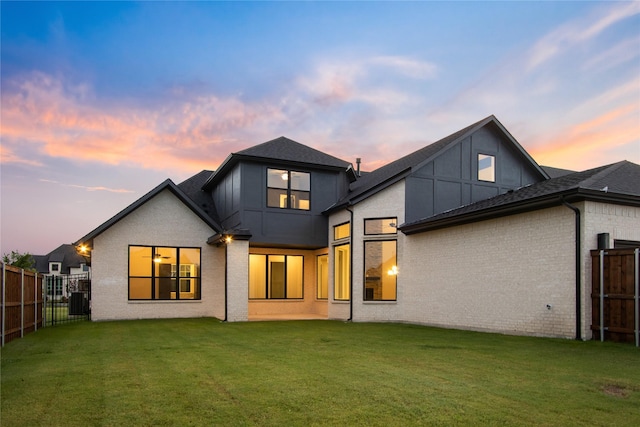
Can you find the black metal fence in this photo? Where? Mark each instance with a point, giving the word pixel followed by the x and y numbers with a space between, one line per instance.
pixel 67 298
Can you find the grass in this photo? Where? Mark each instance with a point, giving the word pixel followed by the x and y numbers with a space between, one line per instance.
pixel 204 372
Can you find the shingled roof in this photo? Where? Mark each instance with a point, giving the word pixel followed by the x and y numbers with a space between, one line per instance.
pixel 65 254
pixel 281 150
pixel 192 187
pixel 615 183
pixel 391 173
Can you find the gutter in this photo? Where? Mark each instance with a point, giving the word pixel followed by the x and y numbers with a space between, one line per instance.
pixel 578 268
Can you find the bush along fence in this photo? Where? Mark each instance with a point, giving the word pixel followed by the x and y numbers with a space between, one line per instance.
pixel 22 303
pixel 31 301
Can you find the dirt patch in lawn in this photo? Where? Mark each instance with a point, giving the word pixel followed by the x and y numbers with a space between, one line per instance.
pixel 616 390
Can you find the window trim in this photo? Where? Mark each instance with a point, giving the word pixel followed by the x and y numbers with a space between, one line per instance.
pixel 290 192
pixel 335 229
pixel 364 270
pixel 198 278
pixel 318 284
pixel 335 274
pixel 389 218
pixel 493 166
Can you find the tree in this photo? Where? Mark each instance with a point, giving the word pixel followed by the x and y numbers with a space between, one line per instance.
pixel 16 259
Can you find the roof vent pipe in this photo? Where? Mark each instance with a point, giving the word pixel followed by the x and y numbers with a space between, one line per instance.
pixel 358 160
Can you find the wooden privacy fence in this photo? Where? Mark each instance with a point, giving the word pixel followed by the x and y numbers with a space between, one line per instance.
pixel 21 303
pixel 615 295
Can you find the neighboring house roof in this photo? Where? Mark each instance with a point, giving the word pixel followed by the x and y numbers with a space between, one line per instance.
pixel 616 183
pixel 166 185
pixel 65 254
pixel 280 150
pixel 192 187
pixel 556 172
pixel 381 178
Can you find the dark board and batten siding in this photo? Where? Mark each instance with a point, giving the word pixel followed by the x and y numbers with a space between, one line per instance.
pixel 241 198
pixel 450 180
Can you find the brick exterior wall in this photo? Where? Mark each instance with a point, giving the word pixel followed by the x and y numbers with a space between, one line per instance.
pixel 162 221
pixel 512 275
pixel 237 280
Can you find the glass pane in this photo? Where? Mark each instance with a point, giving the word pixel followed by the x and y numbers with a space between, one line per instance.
pixel 301 181
pixel 486 168
pixel 163 260
pixel 300 200
pixel 380 270
pixel 139 288
pixel 380 226
pixel 276 198
pixel 277 178
pixel 294 276
pixel 165 288
pixel 190 262
pixel 341 272
pixel 322 277
pixel 257 276
pixel 341 231
pixel 140 261
pixel 276 276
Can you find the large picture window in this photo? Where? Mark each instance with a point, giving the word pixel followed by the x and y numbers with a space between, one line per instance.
pixel 164 273
pixel 275 276
pixel 288 189
pixel 380 270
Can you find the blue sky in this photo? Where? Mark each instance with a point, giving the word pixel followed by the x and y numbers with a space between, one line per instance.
pixel 102 101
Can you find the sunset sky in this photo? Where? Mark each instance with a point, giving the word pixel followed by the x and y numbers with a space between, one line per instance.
pixel 102 101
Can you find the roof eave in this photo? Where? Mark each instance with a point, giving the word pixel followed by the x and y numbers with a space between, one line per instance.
pixel 166 185
pixel 556 199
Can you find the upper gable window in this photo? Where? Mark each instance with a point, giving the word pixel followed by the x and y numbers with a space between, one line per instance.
pixel 288 189
pixel 486 168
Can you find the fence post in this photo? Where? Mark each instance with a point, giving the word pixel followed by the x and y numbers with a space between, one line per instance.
pixel 601 295
pixel 35 302
pixel 21 302
pixel 4 300
pixel 636 254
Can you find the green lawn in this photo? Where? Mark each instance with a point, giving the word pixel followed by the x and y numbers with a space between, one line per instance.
pixel 204 372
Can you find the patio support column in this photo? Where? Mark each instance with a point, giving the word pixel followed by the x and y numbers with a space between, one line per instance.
pixel 237 259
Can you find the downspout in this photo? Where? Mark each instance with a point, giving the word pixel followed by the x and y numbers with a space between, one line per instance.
pixel 226 267
pixel 578 269
pixel 350 266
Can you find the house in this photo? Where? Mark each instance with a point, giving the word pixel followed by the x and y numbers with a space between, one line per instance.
pixel 468 232
pixel 60 263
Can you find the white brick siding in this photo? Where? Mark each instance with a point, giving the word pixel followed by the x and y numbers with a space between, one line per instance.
pixel 496 275
pixel 162 221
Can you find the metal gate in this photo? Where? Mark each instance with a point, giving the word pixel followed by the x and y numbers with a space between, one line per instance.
pixel 615 295
pixel 67 298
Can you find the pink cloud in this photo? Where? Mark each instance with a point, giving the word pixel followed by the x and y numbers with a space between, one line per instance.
pixel 593 142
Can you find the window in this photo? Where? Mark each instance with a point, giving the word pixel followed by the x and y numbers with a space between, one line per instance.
pixel 288 189
pixel 322 277
pixel 380 270
pixel 164 273
pixel 486 168
pixel 55 266
pixel 381 226
pixel 54 285
pixel 341 231
pixel 342 272
pixel 275 276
